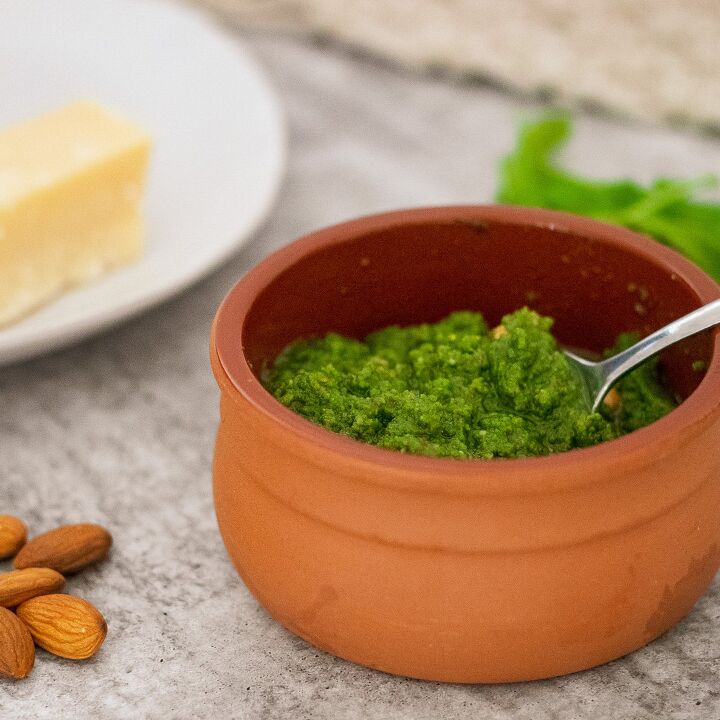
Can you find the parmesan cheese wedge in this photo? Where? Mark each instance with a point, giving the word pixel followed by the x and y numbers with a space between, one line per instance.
pixel 71 186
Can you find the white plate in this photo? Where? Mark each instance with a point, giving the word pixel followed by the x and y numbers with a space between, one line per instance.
pixel 219 140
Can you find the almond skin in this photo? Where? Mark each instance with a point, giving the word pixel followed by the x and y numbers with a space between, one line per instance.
pixel 17 586
pixel 64 625
pixel 66 549
pixel 13 535
pixel 17 652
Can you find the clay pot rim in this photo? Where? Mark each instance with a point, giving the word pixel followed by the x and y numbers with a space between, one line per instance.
pixel 498 474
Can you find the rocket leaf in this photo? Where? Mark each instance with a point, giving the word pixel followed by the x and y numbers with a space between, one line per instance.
pixel 666 210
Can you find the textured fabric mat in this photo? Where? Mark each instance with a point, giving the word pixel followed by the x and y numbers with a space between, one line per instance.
pixel 658 60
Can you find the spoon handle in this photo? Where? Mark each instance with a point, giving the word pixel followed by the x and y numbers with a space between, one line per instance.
pixel 694 322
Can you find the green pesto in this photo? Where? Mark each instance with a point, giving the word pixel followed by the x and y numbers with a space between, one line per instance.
pixel 450 389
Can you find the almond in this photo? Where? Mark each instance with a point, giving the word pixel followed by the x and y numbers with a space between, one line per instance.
pixel 612 400
pixel 66 549
pixel 13 535
pixel 17 586
pixel 64 625
pixel 17 652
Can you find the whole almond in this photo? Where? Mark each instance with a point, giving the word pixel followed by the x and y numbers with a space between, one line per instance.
pixel 13 535
pixel 66 549
pixel 17 586
pixel 17 652
pixel 64 625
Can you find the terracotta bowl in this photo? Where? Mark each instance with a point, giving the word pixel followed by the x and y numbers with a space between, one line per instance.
pixel 468 570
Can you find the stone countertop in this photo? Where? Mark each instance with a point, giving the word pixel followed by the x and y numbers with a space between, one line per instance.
pixel 119 430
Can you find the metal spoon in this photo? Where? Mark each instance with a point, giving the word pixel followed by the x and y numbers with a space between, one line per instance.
pixel 598 377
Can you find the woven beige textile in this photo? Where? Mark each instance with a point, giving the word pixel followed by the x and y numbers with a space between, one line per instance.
pixel 652 59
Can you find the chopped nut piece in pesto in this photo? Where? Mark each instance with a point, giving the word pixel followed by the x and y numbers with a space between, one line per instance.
pixel 457 389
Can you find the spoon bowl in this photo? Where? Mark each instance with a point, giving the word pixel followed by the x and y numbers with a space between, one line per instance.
pixel 598 377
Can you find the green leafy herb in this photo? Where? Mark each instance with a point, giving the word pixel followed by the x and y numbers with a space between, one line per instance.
pixel 666 210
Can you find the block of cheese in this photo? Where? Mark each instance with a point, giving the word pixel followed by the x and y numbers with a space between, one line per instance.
pixel 71 186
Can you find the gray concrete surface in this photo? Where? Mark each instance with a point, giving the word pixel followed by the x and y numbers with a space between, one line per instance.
pixel 120 429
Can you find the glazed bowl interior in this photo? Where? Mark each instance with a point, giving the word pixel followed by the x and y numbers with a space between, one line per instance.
pixel 421 269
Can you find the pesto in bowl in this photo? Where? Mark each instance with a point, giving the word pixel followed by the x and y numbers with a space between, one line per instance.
pixel 458 389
